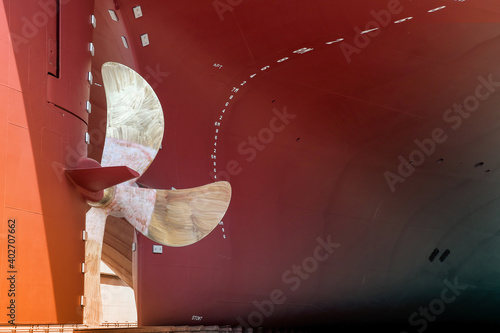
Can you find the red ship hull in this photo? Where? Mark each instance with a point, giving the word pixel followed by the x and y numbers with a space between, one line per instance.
pixel 359 139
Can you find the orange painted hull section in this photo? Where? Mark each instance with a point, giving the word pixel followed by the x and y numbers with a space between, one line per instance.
pixel 43 124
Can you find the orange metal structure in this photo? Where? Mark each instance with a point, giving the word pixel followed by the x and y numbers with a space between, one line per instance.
pixel 44 88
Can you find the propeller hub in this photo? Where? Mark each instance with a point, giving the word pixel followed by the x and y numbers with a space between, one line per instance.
pixel 107 198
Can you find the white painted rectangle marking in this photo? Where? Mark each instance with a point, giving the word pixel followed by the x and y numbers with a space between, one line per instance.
pixel 137 11
pixel 145 39
pixel 113 15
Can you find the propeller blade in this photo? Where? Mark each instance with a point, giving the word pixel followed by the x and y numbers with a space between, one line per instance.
pixel 183 217
pixel 100 178
pixel 95 224
pixel 92 179
pixel 172 217
pixel 135 122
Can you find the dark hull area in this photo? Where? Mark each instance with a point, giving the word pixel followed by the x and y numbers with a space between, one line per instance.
pixel 353 156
